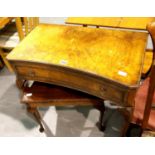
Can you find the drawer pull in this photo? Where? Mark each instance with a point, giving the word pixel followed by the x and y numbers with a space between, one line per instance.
pixel 32 73
pixel 103 91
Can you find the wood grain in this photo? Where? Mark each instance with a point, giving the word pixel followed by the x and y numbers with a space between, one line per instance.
pixel 118 22
pixel 114 54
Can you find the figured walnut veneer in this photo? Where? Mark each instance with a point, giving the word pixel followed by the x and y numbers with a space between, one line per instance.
pixel 104 63
pixel 136 23
pixel 117 55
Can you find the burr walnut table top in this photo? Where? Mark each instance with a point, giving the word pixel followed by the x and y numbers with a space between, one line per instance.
pixel 121 22
pixel 113 54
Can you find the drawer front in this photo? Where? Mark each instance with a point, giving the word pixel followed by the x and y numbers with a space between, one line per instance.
pixel 73 80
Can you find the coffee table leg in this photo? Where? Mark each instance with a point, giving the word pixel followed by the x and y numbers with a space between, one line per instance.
pixel 35 113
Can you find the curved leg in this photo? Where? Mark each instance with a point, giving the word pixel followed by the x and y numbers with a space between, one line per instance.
pixel 101 124
pixel 35 113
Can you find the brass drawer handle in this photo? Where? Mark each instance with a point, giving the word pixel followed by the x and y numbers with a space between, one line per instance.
pixel 32 73
pixel 103 90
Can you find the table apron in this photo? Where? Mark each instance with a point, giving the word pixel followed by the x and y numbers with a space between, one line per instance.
pixel 72 79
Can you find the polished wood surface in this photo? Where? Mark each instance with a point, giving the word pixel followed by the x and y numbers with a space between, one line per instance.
pixel 118 22
pixel 121 22
pixel 39 57
pixel 83 81
pixel 136 22
pixel 4 21
pixel 113 54
pixel 39 93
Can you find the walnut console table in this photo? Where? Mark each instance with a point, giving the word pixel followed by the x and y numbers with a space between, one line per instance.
pixel 101 62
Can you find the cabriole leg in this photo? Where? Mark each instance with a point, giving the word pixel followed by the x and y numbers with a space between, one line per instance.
pixel 35 113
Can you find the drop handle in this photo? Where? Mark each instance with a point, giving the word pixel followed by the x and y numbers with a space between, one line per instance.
pixel 32 73
pixel 103 90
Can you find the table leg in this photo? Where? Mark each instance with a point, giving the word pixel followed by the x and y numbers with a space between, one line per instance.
pixel 20 83
pixel 101 124
pixel 35 113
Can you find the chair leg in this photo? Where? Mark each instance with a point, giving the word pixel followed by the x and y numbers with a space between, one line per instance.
pixel 101 124
pixel 5 61
pixel 35 113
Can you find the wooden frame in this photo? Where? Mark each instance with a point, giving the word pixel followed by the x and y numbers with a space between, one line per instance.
pixel 29 24
pixel 151 89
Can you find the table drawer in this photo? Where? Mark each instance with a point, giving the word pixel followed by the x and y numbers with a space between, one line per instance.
pixel 72 79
